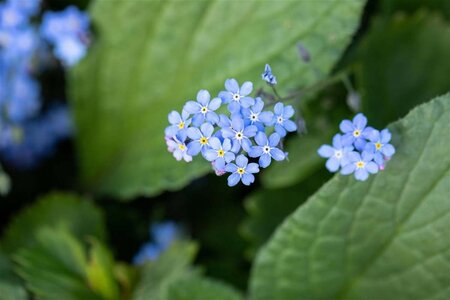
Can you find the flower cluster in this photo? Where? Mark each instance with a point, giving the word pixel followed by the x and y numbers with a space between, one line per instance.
pixel 29 129
pixel 359 149
pixel 163 234
pixel 229 140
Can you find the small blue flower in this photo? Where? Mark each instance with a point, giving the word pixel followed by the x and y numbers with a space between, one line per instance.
pixel 200 138
pixel 203 109
pixel 24 99
pixel 235 96
pixel 268 76
pixel 266 149
pixel 379 145
pixel 11 16
pixel 361 165
pixel 239 134
pixel 241 171
pixel 28 7
pixel 220 153
pixel 177 145
pixel 179 122
pixel 281 119
pixel 337 154
pixel 355 132
pixel 148 252
pixel 255 116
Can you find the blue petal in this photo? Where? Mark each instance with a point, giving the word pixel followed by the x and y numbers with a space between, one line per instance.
pixel 233 179
pixel 264 160
pixel 252 168
pixel 366 156
pixel 225 96
pixel 248 178
pixel 279 108
pixel 261 139
pixel 277 154
pixel 174 117
pixel 212 117
pixel 255 151
pixel 231 168
pixel 388 150
pixel 372 167
pixel 266 117
pixel 378 158
pixel 360 121
pixel 258 106
pixel 184 115
pixel 171 130
pixel 346 126
pixel 224 121
pixel 250 131
pixel 348 169
pixel 228 133
pixel 354 156
pixel 290 126
pixel 236 146
pixel 226 145
pixel 274 139
pixel 241 161
pixel 207 129
pixel 246 88
pixel 237 123
pixel 232 85
pixel 210 155
pixel 347 139
pixel 203 97
pixel 234 107
pixel 280 130
pixel 385 136
pixel 361 174
pixel 193 133
pixel 247 102
pixel 198 119
pixel 337 141
pixel 192 107
pixel 246 145
pixel 360 144
pixel 332 164
pixel 214 104
pixel 288 112
pixel 219 164
pixel 194 148
pixel 215 143
pixel 229 156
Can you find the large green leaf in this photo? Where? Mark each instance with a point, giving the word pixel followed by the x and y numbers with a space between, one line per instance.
pixel 10 286
pixel 402 63
pixel 386 238
pixel 79 216
pixel 151 56
pixel 410 6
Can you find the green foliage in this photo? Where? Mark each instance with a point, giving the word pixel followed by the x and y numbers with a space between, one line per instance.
pixel 402 63
pixel 5 183
pixel 410 6
pixel 142 67
pixel 380 239
pixel 58 210
pixel 10 286
pixel 58 267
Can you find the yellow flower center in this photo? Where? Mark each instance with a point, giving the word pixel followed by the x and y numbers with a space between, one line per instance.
pixel 182 147
pixel 360 164
pixel 204 141
pixel 181 125
pixel 378 146
pixel 356 133
pixel 241 171
pixel 220 153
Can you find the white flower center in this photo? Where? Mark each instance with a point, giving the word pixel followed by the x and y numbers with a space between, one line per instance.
pixel 338 153
pixel 266 149
pixel 253 117
pixel 239 135
pixel 236 97
pixel 280 120
pixel 204 109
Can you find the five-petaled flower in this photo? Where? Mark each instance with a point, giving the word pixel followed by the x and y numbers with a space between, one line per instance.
pixel 360 164
pixel 241 171
pixel 239 134
pixel 267 149
pixel 355 131
pixel 200 138
pixel 255 116
pixel 219 153
pixel 281 119
pixel 379 146
pixel 337 154
pixel 179 122
pixel 203 109
pixel 237 97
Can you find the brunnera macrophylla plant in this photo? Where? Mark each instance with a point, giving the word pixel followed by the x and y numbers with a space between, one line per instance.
pixel 245 131
pixel 360 149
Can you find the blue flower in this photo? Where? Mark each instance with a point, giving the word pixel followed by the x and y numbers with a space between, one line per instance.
pixel 27 7
pixel 355 132
pixel 266 149
pixel 220 153
pixel 11 16
pixel 179 122
pixel 24 99
pixel 239 134
pixel 148 252
pixel 268 76
pixel 337 154
pixel 177 145
pixel 203 109
pixel 361 165
pixel 255 116
pixel 281 119
pixel 241 171
pixel 235 96
pixel 200 138
pixel 379 145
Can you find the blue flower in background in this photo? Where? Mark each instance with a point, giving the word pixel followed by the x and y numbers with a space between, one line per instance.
pixel 241 171
pixel 268 77
pixel 355 131
pixel 379 145
pixel 27 7
pixel 220 153
pixel 24 99
pixel 337 154
pixel 178 122
pixel 236 97
pixel 255 116
pixel 203 109
pixel 281 119
pixel 266 149
pixel 361 165
pixel 68 32
pixel 200 138
pixel 163 235
pixel 239 134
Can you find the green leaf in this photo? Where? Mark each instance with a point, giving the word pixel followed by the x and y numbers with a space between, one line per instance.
pixel 411 6
pixel 5 182
pixel 402 63
pixel 142 66
pixel 10 286
pixel 55 267
pixel 158 275
pixel 57 210
pixel 384 238
pixel 199 288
